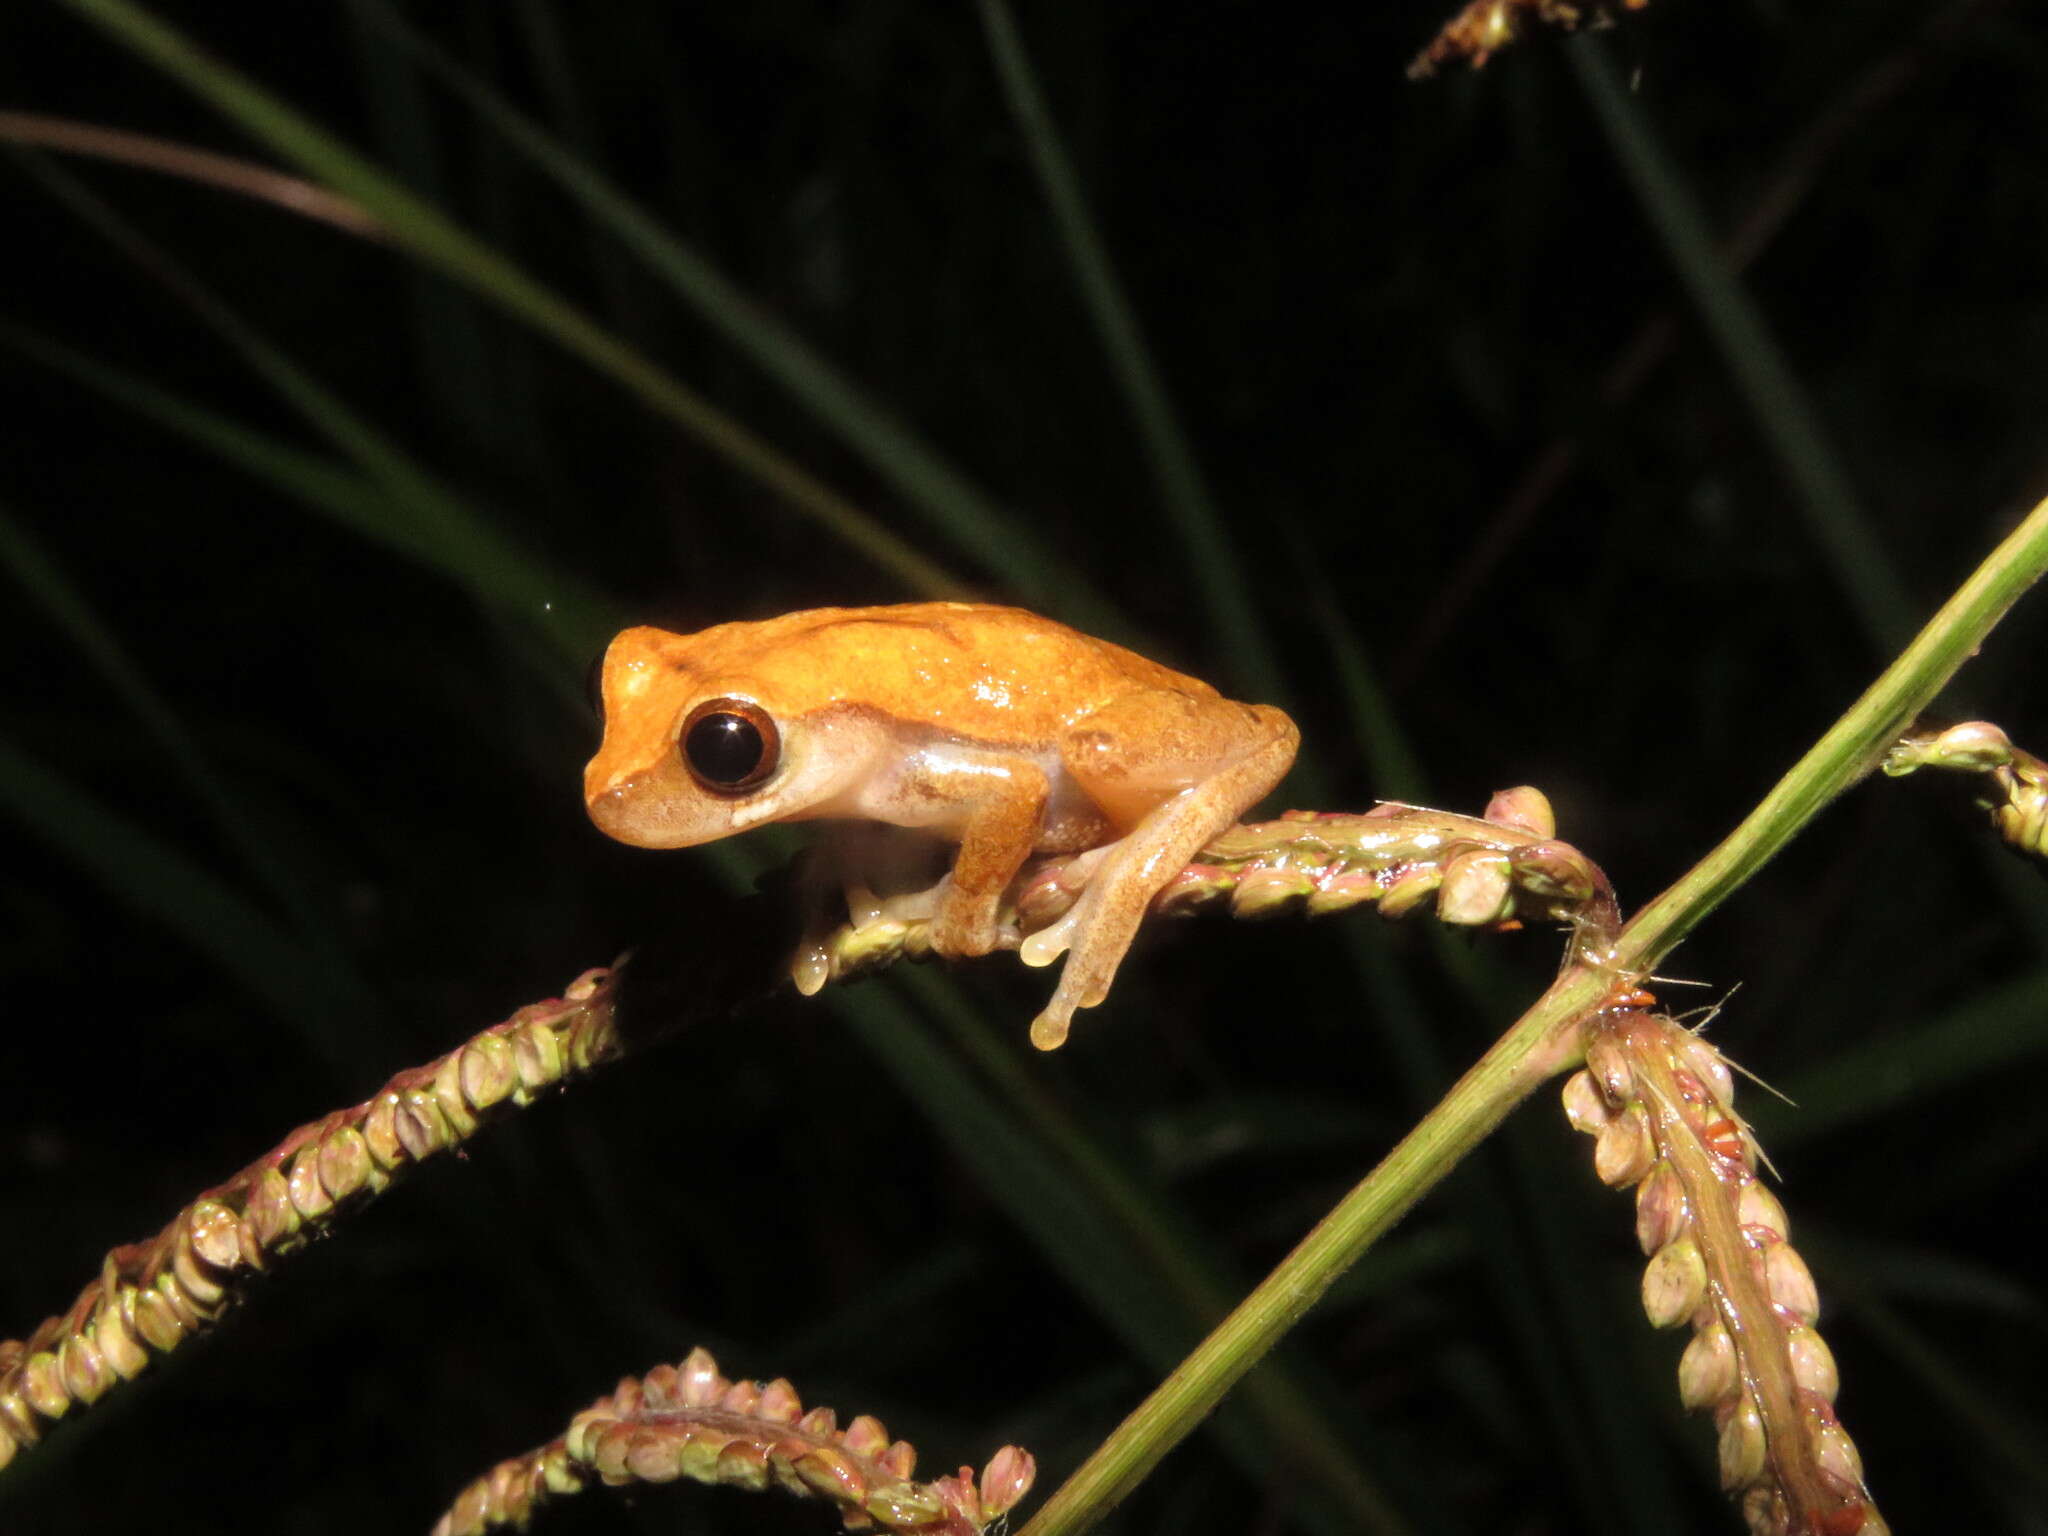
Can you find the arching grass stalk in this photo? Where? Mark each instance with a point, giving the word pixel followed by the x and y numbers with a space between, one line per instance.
pixel 1545 1040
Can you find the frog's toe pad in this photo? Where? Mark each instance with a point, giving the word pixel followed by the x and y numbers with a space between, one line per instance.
pixel 1050 942
pixel 1049 1029
pixel 811 967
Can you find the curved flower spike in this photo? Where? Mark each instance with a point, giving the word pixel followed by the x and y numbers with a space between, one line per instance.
pixel 689 1421
pixel 1493 871
pixel 1659 1101
pixel 151 1297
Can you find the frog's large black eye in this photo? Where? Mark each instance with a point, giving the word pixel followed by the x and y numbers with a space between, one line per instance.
pixel 730 745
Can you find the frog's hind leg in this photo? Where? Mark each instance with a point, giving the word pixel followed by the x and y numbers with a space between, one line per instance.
pixel 1192 774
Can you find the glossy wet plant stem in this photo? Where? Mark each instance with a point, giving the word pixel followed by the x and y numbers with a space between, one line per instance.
pixel 1547 1039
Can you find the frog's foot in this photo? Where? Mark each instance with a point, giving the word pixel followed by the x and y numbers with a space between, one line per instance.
pixel 810 967
pixel 1098 943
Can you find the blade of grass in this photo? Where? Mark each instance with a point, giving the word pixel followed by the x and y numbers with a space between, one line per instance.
pixel 950 503
pixel 1219 569
pixel 441 243
pixel 35 130
pixel 1783 411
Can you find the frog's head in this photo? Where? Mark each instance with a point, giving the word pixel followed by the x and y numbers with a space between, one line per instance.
pixel 695 749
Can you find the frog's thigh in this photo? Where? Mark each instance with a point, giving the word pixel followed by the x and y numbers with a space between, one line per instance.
pixel 1130 756
pixel 996 836
pixel 1176 771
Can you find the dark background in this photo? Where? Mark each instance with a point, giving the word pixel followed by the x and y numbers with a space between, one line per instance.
pixel 1377 307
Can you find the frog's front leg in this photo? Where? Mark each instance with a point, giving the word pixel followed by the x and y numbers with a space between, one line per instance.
pixel 1003 808
pixel 857 873
pixel 1174 769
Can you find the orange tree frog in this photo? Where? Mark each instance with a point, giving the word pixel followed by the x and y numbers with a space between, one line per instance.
pixel 986 727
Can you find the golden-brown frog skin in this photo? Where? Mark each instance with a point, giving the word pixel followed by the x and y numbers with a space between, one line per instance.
pixel 988 727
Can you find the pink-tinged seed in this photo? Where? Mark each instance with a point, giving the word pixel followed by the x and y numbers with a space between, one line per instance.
pixel 900 1460
pixel 741 1397
pixel 1585 1106
pixel 1742 1447
pixel 1269 892
pixel 85 1374
pixel 1410 891
pixel 1476 890
pixel 1710 1067
pixel 422 1128
pixel 1607 1059
pixel 1007 1478
pixel 580 1438
pixel 822 1422
pixel 743 1464
pixel 488 1071
pixel 701 1382
pixel 654 1458
pixel 345 1164
pixel 1662 1210
pixel 118 1343
pixel 380 1131
pixel 661 1387
pixel 1525 808
pixel 158 1321
pixel 605 1449
pixel 1813 1363
pixel 536 1057
pixel 1625 1150
pixel 700 1454
pixel 865 1436
pixel 1837 1454
pixel 309 1198
pixel 42 1384
pixel 1707 1372
pixel 1674 1283
pixel 268 1210
pixel 1758 1208
pixel 900 1508
pixel 449 1097
pixel 833 1474
pixel 216 1235
pixel 1791 1284
pixel 779 1402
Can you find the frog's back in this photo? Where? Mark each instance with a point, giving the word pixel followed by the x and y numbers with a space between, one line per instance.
pixel 976 668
